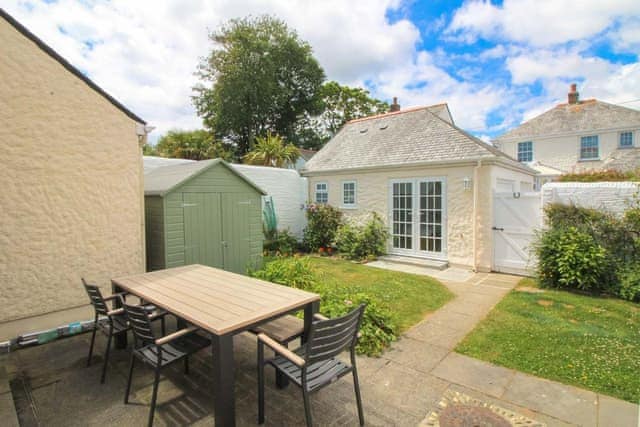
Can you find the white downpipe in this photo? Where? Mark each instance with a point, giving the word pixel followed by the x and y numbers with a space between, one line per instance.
pixel 476 171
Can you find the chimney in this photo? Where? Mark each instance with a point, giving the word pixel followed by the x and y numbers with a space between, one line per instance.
pixel 573 97
pixel 395 106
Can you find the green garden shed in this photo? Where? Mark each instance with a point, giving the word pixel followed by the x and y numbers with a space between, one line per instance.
pixel 202 213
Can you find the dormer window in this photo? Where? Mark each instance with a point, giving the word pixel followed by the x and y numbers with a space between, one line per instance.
pixel 525 151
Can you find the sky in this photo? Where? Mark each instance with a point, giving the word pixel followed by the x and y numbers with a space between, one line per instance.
pixel 496 64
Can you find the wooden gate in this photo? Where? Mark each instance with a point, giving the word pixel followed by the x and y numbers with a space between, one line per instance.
pixel 516 216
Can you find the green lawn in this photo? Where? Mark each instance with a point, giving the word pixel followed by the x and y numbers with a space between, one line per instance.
pixel 585 341
pixel 410 297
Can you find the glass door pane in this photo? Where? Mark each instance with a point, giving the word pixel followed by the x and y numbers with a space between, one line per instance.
pixel 430 216
pixel 402 212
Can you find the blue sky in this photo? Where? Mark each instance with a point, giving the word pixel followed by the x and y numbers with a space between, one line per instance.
pixel 495 63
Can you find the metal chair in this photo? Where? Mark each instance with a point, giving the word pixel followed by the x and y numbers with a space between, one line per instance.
pixel 160 352
pixel 315 365
pixel 113 321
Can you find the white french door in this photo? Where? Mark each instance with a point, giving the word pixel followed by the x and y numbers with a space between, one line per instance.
pixel 418 217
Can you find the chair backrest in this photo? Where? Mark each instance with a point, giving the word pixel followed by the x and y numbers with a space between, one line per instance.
pixel 138 317
pixel 95 296
pixel 328 338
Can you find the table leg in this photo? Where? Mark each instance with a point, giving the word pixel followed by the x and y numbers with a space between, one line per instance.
pixel 223 380
pixel 309 310
pixel 120 339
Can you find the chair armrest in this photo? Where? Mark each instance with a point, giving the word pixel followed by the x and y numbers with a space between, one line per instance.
pixel 319 316
pixel 281 350
pixel 158 315
pixel 114 296
pixel 175 335
pixel 116 311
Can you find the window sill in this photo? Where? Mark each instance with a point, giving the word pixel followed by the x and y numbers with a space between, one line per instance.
pixel 349 207
pixel 588 160
pixel 626 147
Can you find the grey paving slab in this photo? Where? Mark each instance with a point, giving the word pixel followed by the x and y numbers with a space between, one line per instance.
pixel 8 411
pixel 442 336
pixel 416 354
pixel 558 400
pixel 615 412
pixel 451 319
pixel 475 374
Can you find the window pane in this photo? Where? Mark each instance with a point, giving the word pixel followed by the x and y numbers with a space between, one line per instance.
pixel 589 147
pixel 525 151
pixel 626 139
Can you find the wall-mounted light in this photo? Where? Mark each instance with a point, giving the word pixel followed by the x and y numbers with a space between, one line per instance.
pixel 466 182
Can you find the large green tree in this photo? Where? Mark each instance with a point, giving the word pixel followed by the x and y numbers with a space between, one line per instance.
pixel 258 77
pixel 192 144
pixel 339 105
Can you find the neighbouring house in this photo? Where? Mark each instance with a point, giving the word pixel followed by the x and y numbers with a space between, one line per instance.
pixel 202 212
pixel 576 136
pixel 286 190
pixel 71 204
pixel 305 156
pixel 431 182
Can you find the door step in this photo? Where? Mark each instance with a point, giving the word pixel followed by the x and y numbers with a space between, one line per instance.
pixel 418 262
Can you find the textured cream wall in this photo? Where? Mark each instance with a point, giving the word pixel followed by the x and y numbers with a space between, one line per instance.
pixel 71 199
pixel 563 152
pixel 373 195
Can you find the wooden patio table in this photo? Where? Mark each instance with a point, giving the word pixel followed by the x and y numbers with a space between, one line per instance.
pixel 223 304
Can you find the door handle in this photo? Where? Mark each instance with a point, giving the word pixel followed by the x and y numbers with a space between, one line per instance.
pixel 497 228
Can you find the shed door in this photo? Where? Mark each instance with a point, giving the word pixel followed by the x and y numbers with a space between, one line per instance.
pixel 203 242
pixel 236 209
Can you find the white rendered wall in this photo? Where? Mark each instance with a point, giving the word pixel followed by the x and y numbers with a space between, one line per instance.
pixel 611 196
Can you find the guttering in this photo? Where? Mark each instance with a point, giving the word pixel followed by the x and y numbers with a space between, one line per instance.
pixel 488 160
pixel 476 171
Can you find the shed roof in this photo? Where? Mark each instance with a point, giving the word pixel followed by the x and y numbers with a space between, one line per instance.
pixel 152 163
pixel 417 135
pixel 162 180
pixel 66 64
pixel 587 115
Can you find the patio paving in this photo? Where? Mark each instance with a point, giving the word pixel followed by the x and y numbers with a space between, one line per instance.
pixel 404 387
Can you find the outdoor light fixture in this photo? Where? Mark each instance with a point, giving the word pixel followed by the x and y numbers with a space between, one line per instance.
pixel 467 183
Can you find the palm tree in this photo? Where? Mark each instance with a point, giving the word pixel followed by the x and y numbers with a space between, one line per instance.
pixel 271 150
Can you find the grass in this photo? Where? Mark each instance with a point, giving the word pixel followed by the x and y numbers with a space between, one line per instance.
pixel 585 341
pixel 409 296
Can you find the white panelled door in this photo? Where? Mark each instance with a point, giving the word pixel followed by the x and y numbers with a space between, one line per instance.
pixel 515 219
pixel 418 217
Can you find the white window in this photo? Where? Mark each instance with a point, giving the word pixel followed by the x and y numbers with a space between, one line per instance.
pixel 322 192
pixel 349 194
pixel 589 148
pixel 626 139
pixel 525 151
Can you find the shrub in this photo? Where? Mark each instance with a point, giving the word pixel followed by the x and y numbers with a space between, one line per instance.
pixel 283 243
pixel 377 329
pixel 365 241
pixel 600 175
pixel 630 283
pixel 323 222
pixel 295 272
pixel 570 258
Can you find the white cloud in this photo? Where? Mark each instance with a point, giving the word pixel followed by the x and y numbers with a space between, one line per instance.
pixel 537 22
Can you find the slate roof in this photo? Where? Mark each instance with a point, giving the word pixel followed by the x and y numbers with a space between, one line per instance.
pixel 400 138
pixel 162 180
pixel 588 115
pixel 66 64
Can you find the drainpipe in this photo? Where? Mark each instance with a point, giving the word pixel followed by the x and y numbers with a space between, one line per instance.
pixel 476 171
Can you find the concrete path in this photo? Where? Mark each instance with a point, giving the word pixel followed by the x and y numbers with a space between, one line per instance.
pixel 426 354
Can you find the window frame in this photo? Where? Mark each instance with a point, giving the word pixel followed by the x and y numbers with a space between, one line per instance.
pixel 630 132
pixel 325 191
pixel 355 195
pixel 580 149
pixel 518 151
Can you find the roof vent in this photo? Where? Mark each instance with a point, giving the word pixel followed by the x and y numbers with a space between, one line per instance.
pixel 383 126
pixel 364 130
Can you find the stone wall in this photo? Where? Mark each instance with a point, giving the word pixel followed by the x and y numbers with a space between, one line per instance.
pixel 611 196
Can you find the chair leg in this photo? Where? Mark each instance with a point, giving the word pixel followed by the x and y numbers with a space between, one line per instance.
pixel 186 365
pixel 106 358
pixel 307 406
pixel 163 326
pixel 126 395
pixel 356 386
pixel 260 383
pixel 93 340
pixel 154 397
